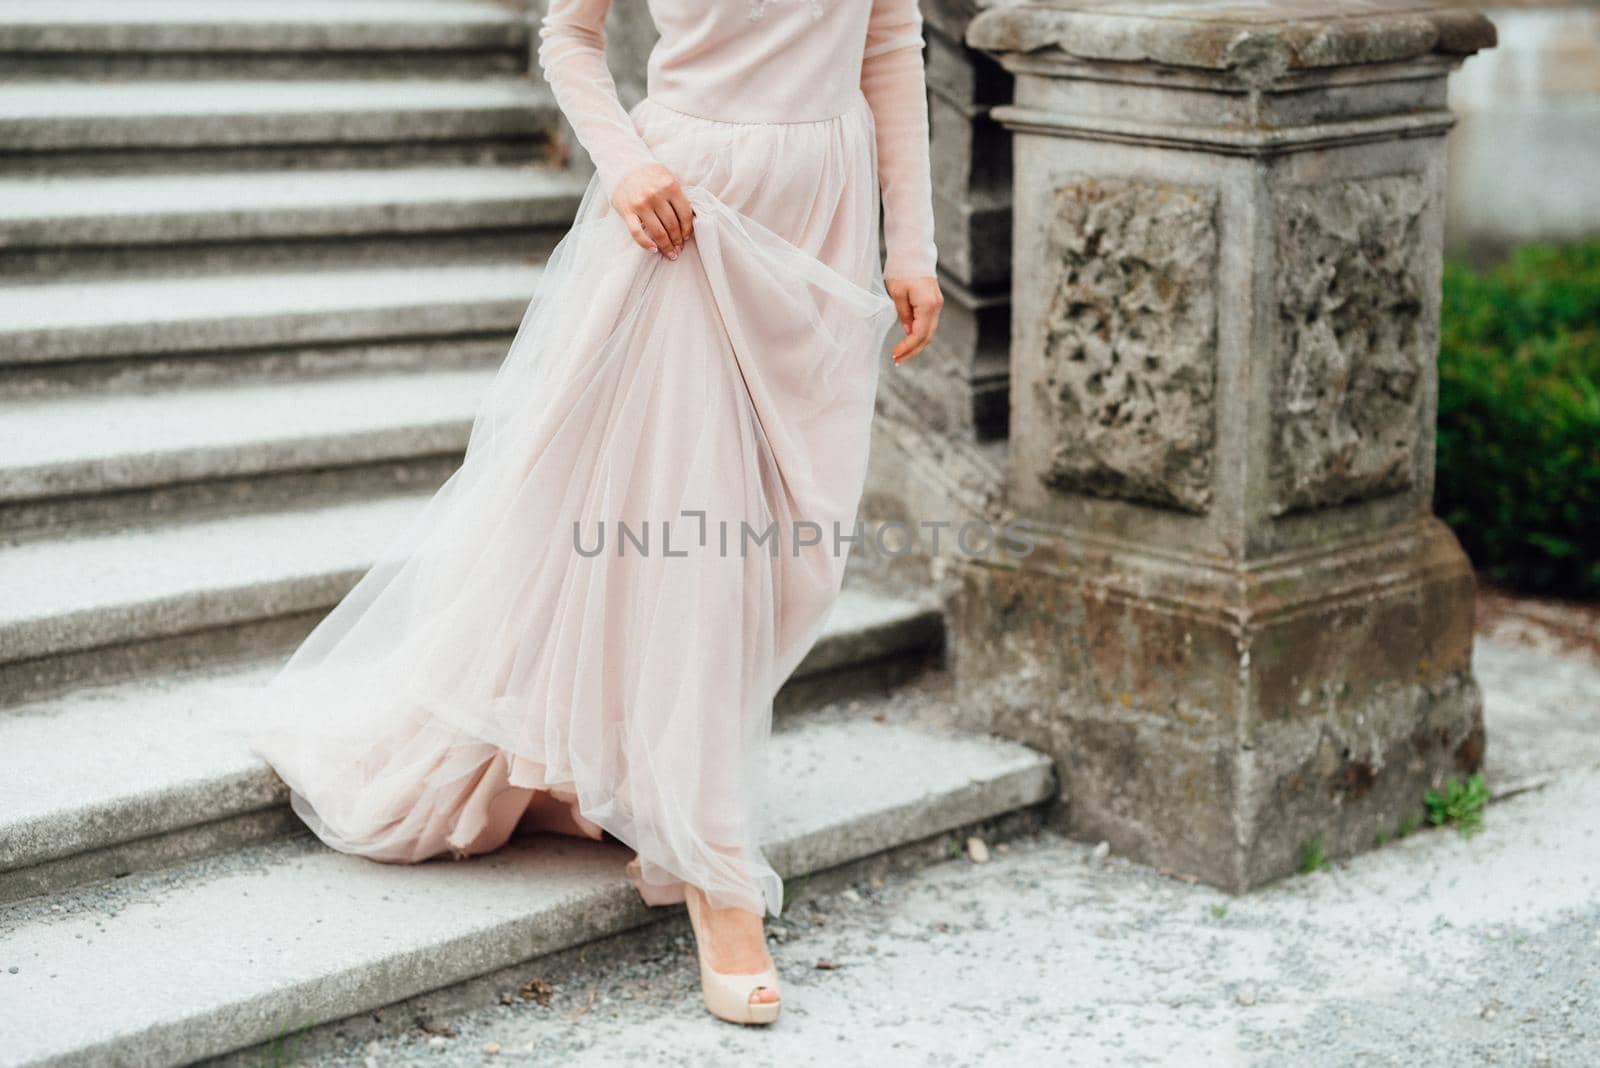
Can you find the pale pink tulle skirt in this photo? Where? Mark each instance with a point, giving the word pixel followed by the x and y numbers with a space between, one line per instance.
pixel 486 658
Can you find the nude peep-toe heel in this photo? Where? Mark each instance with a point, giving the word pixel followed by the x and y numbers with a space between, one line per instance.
pixel 727 996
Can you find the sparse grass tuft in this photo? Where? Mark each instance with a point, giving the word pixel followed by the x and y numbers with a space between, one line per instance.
pixel 1313 856
pixel 1460 804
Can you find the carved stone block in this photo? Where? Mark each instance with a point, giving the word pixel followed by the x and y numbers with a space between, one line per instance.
pixel 1131 338
pixel 1354 340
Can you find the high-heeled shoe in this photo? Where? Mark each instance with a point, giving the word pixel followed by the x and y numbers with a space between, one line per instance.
pixel 727 996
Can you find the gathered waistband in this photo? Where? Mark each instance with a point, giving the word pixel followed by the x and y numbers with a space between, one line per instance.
pixel 857 104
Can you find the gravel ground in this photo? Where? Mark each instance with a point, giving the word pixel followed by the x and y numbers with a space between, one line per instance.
pixel 1434 950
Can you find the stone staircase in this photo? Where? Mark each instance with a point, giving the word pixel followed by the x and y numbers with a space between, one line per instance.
pixel 258 261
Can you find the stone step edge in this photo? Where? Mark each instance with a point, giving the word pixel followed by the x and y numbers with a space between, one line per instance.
pixel 497 311
pixel 550 198
pixel 657 936
pixel 446 27
pixel 949 795
pixel 526 113
pixel 236 804
pixel 120 469
pixel 195 610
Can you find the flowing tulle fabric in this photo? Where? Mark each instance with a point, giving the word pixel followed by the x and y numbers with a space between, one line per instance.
pixel 493 653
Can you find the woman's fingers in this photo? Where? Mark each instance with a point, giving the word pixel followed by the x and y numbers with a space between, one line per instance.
pixel 658 214
pixel 909 346
pixel 684 210
pixel 924 321
pixel 902 309
pixel 668 216
pixel 659 241
pixel 677 215
pixel 637 231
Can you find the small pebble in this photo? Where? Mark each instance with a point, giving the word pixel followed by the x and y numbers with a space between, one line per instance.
pixel 1101 852
pixel 1246 997
pixel 13 969
pixel 438 1042
pixel 977 851
pixel 491 1048
pixel 851 895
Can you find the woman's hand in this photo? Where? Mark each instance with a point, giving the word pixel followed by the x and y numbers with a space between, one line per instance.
pixel 918 301
pixel 653 204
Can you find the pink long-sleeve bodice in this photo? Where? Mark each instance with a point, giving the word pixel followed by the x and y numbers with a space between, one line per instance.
pixel 762 62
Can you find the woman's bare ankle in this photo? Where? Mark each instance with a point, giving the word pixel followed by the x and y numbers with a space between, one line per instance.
pixel 734 939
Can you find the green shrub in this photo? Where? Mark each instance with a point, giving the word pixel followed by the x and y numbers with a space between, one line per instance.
pixel 1519 417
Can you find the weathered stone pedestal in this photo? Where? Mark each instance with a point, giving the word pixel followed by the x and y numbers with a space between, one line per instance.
pixel 1242 632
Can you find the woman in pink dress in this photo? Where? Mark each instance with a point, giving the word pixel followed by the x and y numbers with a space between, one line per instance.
pixel 584 630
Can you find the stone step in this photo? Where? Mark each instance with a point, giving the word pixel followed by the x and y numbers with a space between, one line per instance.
pixel 112 120
pixel 268 942
pixel 141 774
pixel 184 581
pixel 308 362
pixel 139 64
pixel 104 606
pixel 104 224
pixel 245 26
pixel 76 320
pixel 93 458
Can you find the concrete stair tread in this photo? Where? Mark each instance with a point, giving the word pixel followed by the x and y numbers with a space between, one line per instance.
pixel 113 764
pixel 95 443
pixel 98 589
pixel 101 117
pixel 30 25
pixel 200 100
pixel 58 306
pixel 85 318
pixel 310 935
pixel 110 209
pixel 251 12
